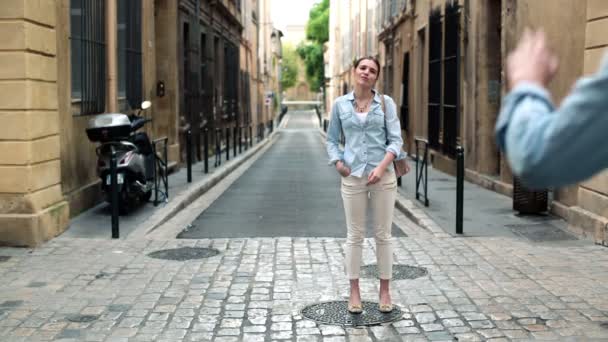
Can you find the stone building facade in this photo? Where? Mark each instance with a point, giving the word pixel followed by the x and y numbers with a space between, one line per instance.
pixel 65 61
pixel 443 63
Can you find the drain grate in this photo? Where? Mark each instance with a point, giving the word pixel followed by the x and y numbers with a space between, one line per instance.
pixel 119 307
pixel 4 258
pixel 81 318
pixel 400 272
pixel 540 232
pixel 11 303
pixel 336 313
pixel 184 253
pixel 70 334
pixel 36 284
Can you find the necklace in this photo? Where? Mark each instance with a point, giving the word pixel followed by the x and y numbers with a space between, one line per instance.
pixel 361 109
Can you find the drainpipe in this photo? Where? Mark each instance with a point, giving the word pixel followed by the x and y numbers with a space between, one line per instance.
pixel 111 84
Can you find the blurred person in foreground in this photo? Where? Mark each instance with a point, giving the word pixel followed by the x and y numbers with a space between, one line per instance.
pixel 548 146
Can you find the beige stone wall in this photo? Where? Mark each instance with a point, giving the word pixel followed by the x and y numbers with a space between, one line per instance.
pixel 32 208
pixel 593 194
pixel 492 29
pixel 553 17
pixel 80 183
pixel 590 215
pixel 78 159
pixel 165 43
pixel 300 90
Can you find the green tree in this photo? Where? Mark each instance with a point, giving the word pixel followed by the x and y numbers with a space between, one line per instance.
pixel 289 74
pixel 311 51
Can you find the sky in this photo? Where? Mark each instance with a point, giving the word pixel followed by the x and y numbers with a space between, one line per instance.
pixel 290 12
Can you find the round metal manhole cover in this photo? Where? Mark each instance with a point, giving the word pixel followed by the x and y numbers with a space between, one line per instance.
pixel 184 253
pixel 400 272
pixel 4 258
pixel 81 318
pixel 336 313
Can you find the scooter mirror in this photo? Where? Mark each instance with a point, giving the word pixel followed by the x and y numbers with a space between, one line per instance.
pixel 146 104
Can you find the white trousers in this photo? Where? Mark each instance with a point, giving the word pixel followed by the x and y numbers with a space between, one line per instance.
pixel 381 196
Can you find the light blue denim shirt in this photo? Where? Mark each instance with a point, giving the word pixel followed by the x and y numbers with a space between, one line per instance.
pixel 366 142
pixel 548 147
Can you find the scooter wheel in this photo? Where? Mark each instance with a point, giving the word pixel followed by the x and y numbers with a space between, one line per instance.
pixel 145 197
pixel 124 203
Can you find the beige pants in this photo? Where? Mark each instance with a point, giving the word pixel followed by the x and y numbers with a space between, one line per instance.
pixel 381 196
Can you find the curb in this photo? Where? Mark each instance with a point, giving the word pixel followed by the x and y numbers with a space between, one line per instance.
pixel 196 189
pixel 418 216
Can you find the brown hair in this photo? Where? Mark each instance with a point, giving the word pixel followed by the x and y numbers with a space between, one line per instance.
pixel 371 58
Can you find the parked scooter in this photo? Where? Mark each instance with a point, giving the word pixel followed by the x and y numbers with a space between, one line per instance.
pixel 134 156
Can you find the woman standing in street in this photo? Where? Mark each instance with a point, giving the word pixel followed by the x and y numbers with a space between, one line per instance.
pixel 370 126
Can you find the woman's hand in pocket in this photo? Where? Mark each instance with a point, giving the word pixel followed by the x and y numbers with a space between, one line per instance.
pixel 342 169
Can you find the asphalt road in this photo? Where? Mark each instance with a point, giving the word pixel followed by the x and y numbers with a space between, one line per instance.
pixel 289 191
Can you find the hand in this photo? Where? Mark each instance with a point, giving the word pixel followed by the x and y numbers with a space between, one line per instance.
pixel 343 170
pixel 531 61
pixel 375 176
pixel 407 168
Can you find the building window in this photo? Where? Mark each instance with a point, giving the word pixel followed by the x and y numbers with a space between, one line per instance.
pixel 388 69
pixel 88 51
pixel 405 103
pixel 129 52
pixel 451 83
pixel 434 104
pixel 368 22
pixel 393 10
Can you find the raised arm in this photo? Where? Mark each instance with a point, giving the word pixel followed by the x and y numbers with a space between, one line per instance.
pixel 550 147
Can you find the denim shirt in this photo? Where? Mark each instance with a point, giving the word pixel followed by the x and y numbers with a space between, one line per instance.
pixel 548 147
pixel 366 142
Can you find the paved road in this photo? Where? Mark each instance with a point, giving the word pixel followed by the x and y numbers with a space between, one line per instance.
pixel 289 191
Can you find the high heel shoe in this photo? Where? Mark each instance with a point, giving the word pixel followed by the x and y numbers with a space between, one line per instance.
pixel 355 308
pixel 385 308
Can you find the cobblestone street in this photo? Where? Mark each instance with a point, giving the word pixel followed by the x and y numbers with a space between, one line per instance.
pixel 476 289
pixel 207 170
pixel 500 288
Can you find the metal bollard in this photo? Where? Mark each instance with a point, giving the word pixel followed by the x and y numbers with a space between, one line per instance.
pixel 246 137
pixel 227 143
pixel 189 154
pixel 114 195
pixel 218 147
pixel 459 187
pixel 234 136
pixel 250 136
pixel 206 149
pixel 240 129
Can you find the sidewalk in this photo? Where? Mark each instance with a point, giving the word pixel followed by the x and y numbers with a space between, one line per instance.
pixel 96 222
pixel 486 213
